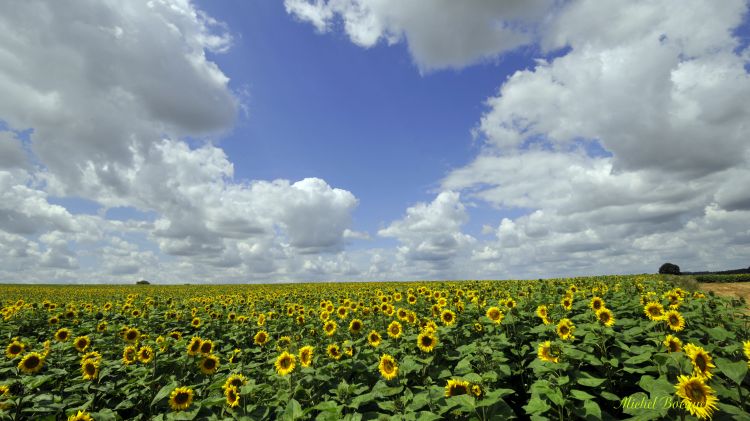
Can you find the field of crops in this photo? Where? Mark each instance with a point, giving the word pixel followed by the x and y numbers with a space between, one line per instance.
pixel 610 347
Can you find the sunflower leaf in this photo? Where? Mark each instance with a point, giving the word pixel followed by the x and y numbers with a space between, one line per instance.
pixel 736 371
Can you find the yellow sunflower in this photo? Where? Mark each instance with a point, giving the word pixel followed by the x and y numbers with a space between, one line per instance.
pixel 427 340
pixel 673 343
pixel 546 353
pixel 62 334
pixel 565 329
pixel 701 360
pixel 456 387
pixel 14 349
pixel 261 338
pixel 654 310
pixel 196 322
pixel 355 326
pixel 306 355
pixel 374 339
pixel 494 314
pixel 209 364
pixel 605 317
pixel 31 363
pixel 235 380
pixel 334 351
pixel 448 317
pixel 233 396
pixel 80 416
pixel 181 398
pixel 207 346
pixel 89 369
pixel 101 326
pixel 477 391
pixel 145 354
pixel 697 397
pixel 388 367
pixel 131 335
pixel 194 346
pixel 674 320
pixel 175 334
pixel 542 311
pixel 566 303
pixel 285 363
pixel 596 304
pixel 129 355
pixel 330 327
pixel 394 330
pixel 746 349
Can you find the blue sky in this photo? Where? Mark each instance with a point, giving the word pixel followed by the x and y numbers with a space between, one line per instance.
pixel 358 140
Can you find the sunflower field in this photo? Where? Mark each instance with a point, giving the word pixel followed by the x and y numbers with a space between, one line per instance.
pixel 597 348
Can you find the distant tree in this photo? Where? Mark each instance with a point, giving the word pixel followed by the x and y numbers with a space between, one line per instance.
pixel 143 282
pixel 669 269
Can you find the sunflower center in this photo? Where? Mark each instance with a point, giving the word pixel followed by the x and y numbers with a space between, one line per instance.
pixel 90 369
pixel 15 349
pixel 426 341
pixel 673 320
pixel 32 362
pixel 564 330
pixel 209 364
pixel 181 398
pixel 388 366
pixel 206 348
pixel 604 317
pixel 700 361
pixel 696 393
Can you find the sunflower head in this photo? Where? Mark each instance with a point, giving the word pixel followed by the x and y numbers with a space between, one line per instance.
pixel 283 343
pixel 131 335
pixel 145 354
pixel 62 334
pixel 306 355
pixel 129 355
pixel 448 317
pixel 701 361
pixel 547 352
pixel 80 416
pixel 394 329
pixel 388 367
pixel 329 327
pixel 426 341
pixel 194 346
pixel 14 349
pixel 235 380
pixel 285 363
pixel 233 396
pixel 597 303
pixel 674 320
pixel 374 339
pixel 90 369
pixel 697 397
pixel 334 351
pixel 673 343
pixel 355 326
pixel 494 314
pixel 565 329
pixel 196 322
pixel 654 310
pixel 542 311
pixel 31 363
pixel 456 387
pixel 207 346
pixel 181 398
pixel 261 338
pixel 605 317
pixel 477 391
pixel 209 364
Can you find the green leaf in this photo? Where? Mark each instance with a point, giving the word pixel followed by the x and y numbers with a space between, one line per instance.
pixel 657 388
pixel 592 410
pixel 736 371
pixel 536 406
pixel 581 395
pixel 589 380
pixel 718 333
pixel 293 410
pixel 637 359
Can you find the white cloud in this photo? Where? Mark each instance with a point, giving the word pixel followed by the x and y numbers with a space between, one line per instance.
pixel 439 33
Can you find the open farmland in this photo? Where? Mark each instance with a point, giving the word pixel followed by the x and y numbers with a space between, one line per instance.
pixel 609 347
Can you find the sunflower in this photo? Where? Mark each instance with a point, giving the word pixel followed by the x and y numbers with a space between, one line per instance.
pixel 283 343
pixel 701 360
pixel 285 363
pixel 478 327
pixel 374 339
pixel 81 343
pixel 388 367
pixel 101 326
pixel 448 317
pixel 196 322
pixel 31 363
pixel 477 391
pixel 80 416
pixel 565 329
pixel 673 343
pixel 334 351
pixel 547 321
pixel 330 327
pixel 510 303
pixel 62 334
pixel 145 354
pixel 746 349
pixel 181 398
pixel 355 326
pixel 596 304
pixel 342 312
pixel 234 380
pixel 129 355
pixel 89 369
pixel 306 355
pixel 4 391
pixel 261 338
pixel 697 397
pixel 176 335
pixel 233 396
pixel 93 355
pixel 542 311
pixel 546 353
pixel 14 349
pixel 53 320
pixel 209 364
pixel 194 346
pixel 426 341
pixel 605 316
pixel 654 310
pixel 456 387
pixel 675 320
pixel 567 303
pixel 206 346
pixel 394 330
pixel 494 314
pixel 131 335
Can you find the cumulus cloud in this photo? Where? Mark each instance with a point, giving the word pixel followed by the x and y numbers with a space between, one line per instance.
pixel 439 33
pixel 627 150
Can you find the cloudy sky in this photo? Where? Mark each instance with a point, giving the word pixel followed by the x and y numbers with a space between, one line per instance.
pixel 294 140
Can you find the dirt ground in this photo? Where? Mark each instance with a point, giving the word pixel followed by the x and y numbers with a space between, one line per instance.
pixel 729 289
